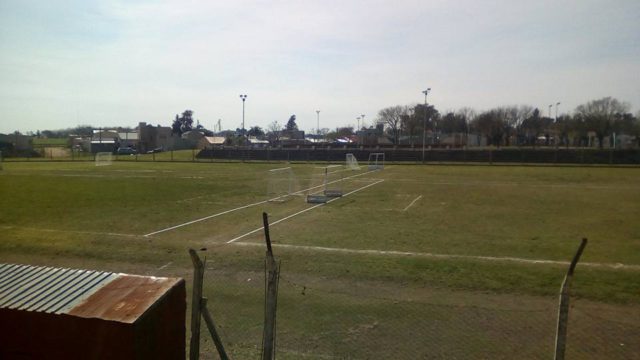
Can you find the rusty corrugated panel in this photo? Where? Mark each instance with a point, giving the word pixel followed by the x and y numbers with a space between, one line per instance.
pixel 46 289
pixel 124 299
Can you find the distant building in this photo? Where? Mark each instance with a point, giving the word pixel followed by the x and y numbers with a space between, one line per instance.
pixel 209 142
pixel 154 137
pixel 129 139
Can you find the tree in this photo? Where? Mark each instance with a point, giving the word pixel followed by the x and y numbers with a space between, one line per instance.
pixel 183 123
pixel 392 118
pixel 255 131
pixel 273 130
pixel 600 115
pixel 291 124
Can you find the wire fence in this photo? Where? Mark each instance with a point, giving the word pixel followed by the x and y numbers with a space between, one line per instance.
pixel 321 317
pixel 488 155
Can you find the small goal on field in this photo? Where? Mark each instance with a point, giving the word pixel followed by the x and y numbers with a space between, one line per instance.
pixel 104 158
pixel 352 162
pixel 326 183
pixel 376 161
pixel 281 184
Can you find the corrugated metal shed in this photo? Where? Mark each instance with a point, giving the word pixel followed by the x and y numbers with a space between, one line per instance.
pixel 59 313
pixel 47 289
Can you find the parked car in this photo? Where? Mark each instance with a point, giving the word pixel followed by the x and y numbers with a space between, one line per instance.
pixel 126 151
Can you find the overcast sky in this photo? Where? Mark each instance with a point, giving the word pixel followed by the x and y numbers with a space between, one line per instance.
pixel 106 63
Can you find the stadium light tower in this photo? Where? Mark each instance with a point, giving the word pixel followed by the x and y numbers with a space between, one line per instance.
pixel 243 97
pixel 558 103
pixel 318 123
pixel 424 123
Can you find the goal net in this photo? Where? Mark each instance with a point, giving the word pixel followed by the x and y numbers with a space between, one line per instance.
pixel 281 184
pixel 376 161
pixel 352 162
pixel 104 158
pixel 326 183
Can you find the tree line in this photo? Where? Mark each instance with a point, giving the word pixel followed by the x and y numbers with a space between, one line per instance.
pixel 514 125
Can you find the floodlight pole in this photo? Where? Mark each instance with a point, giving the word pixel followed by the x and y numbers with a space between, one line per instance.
pixel 243 97
pixel 318 123
pixel 424 123
pixel 550 105
pixel 556 122
pixel 362 116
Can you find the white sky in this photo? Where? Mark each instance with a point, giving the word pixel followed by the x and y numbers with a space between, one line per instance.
pixel 106 63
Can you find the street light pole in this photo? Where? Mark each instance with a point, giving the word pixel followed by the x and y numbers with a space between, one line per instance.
pixel 550 105
pixel 424 123
pixel 362 115
pixel 243 97
pixel 318 123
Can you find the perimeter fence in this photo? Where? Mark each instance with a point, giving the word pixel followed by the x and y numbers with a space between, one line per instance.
pixel 513 155
pixel 343 317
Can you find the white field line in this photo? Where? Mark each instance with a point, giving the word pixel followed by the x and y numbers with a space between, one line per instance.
pixel 69 231
pixel 278 169
pixel 509 184
pixel 301 212
pixel 239 208
pixel 413 202
pixel 446 256
pixel 165 265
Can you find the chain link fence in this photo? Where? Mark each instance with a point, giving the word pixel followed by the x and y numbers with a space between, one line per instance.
pixel 322 317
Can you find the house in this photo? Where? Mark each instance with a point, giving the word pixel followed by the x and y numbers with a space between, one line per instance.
pixel 209 142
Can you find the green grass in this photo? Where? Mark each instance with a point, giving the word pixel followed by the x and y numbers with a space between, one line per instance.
pixel 354 304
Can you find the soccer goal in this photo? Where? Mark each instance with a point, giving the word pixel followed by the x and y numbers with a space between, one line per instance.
pixel 104 158
pixel 376 161
pixel 352 162
pixel 281 184
pixel 326 183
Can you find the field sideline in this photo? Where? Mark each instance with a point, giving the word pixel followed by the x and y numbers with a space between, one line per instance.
pixel 458 230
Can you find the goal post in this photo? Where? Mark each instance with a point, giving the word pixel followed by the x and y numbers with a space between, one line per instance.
pixel 376 161
pixel 352 162
pixel 326 183
pixel 104 158
pixel 281 184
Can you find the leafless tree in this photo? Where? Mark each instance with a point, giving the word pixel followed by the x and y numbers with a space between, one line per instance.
pixel 392 117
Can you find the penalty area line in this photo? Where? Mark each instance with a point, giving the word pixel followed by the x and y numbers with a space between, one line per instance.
pixel 447 256
pixel 240 208
pixel 413 202
pixel 302 212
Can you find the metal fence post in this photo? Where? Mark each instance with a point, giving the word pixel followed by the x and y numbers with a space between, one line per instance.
pixel 563 308
pixel 271 298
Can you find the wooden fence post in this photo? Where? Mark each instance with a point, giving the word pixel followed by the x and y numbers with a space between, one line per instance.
pixel 271 298
pixel 198 274
pixel 563 309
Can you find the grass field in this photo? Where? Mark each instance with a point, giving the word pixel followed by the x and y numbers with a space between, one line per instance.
pixel 414 262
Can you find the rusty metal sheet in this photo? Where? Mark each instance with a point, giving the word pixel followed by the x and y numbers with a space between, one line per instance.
pixel 124 299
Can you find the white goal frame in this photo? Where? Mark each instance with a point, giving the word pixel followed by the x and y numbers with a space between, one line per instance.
pixel 104 158
pixel 376 161
pixel 351 162
pixel 281 184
